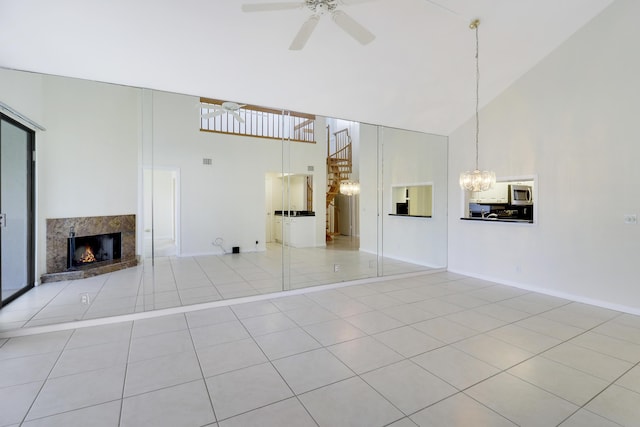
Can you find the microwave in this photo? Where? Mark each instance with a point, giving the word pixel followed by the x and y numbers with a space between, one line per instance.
pixel 520 195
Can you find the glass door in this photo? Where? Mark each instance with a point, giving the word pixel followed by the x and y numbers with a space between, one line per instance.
pixel 16 209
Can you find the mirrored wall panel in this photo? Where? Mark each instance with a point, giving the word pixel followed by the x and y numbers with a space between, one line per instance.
pixel 216 199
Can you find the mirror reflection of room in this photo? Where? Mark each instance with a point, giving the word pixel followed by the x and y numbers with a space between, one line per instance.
pixel 203 203
pixel 413 200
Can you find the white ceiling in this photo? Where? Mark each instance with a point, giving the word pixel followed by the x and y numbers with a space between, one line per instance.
pixel 418 74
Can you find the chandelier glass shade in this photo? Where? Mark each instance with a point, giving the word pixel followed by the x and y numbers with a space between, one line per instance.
pixel 477 180
pixel 349 188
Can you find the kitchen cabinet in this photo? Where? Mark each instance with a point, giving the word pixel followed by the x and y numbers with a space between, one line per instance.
pixel 277 221
pixel 302 232
pixel 298 231
pixel 496 195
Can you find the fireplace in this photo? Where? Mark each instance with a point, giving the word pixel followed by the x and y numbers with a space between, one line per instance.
pixel 86 250
pixel 80 247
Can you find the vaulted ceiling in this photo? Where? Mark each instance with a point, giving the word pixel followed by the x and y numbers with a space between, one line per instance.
pixel 418 73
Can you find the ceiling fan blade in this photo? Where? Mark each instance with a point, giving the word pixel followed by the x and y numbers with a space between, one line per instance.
pixel 353 28
pixel 205 106
pixel 212 114
pixel 211 106
pixel 233 106
pixel 236 115
pixel 351 2
pixel 266 7
pixel 304 33
pixel 303 124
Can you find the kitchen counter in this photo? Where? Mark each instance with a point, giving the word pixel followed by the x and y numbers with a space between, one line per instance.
pixel 523 221
pixel 294 213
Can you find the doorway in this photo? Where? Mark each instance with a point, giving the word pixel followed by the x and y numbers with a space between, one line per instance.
pixel 161 212
pixel 16 209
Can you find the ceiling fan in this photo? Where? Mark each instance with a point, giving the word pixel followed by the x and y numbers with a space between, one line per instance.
pixel 318 8
pixel 227 107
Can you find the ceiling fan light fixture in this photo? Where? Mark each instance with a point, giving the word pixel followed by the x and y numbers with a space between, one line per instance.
pixel 477 180
pixel 226 107
pixel 318 8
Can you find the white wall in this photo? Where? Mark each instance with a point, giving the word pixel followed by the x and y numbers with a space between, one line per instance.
pixel 573 122
pixel 23 92
pixel 87 159
pixel 405 158
pixel 413 158
pixel 227 198
pixel 370 203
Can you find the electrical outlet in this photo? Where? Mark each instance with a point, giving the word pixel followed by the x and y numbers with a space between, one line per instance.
pixel 630 219
pixel 372 264
pixel 84 299
pixel 336 268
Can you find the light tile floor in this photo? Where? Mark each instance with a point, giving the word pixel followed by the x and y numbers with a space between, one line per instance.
pixel 433 349
pixel 182 281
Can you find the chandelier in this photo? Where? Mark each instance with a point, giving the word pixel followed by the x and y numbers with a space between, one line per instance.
pixel 349 188
pixel 477 180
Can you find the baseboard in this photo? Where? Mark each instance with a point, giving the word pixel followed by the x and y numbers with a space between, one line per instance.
pixel 576 298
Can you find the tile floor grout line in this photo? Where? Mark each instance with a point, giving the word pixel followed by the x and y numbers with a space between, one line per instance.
pixel 505 371
pixel 204 378
pixel 26 414
pixel 567 340
pixel 207 276
pixel 68 411
pixel 141 273
pixel 294 394
pixel 584 406
pixel 126 372
pixel 410 359
pixel 501 371
pixel 173 274
pixel 358 375
pixel 405 415
pixel 47 304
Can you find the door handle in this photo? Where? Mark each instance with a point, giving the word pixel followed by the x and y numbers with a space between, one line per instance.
pixel 3 220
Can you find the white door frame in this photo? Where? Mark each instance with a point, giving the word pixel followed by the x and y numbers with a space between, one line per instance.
pixel 176 202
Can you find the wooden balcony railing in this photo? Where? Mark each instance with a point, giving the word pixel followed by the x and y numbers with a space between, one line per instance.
pixel 259 122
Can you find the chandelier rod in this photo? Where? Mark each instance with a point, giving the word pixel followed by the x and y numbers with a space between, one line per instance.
pixel 474 26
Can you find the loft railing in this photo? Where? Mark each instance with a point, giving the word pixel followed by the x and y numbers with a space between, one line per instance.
pixel 259 122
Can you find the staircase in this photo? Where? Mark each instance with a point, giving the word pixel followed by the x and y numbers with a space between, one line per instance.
pixel 339 168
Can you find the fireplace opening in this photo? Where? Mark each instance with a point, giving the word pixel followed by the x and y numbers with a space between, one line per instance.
pixel 86 250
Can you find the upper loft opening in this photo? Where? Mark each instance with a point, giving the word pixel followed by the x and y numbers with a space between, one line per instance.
pixel 250 120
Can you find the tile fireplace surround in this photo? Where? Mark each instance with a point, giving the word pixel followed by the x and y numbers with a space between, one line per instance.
pixel 58 232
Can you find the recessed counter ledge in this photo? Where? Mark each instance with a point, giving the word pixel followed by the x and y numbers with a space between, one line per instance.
pixel 294 213
pixel 522 221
